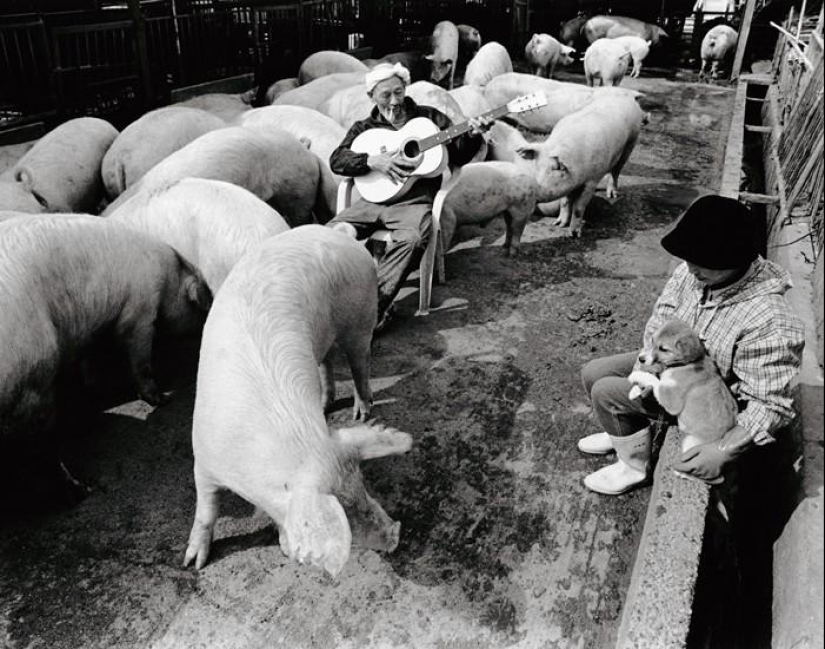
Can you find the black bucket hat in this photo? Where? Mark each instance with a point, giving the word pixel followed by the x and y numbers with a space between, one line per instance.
pixel 714 232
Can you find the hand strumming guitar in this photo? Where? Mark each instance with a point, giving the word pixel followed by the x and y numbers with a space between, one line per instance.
pixel 394 167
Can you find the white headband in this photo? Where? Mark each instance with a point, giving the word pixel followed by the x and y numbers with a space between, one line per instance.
pixel 384 71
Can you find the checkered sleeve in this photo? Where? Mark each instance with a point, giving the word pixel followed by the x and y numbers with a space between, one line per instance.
pixel 666 304
pixel 766 361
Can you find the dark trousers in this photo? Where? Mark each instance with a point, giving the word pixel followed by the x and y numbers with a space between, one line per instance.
pixel 605 382
pixel 410 222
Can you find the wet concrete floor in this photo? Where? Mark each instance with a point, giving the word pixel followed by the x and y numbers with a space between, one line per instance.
pixel 501 545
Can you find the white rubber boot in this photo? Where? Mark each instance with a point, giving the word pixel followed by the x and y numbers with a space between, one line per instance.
pixel 629 471
pixel 596 444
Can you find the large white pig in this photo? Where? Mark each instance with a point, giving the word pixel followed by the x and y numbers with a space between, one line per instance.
pixel 348 105
pixel 430 94
pixel 544 53
pixel 486 190
pixel 444 56
pixel 562 98
pixel 63 281
pixel 280 87
pixel 471 100
pixel 606 60
pixel 612 26
pixel 275 166
pixel 61 172
pixel 489 62
pixel 210 223
pixel 259 428
pixel 638 48
pixel 148 140
pixel 325 62
pixel 584 146
pixel 223 105
pixel 314 93
pixel 322 133
pixel 717 45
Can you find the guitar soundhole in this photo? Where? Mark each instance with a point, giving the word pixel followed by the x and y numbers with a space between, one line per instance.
pixel 411 149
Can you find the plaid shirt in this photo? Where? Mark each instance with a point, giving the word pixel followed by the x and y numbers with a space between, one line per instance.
pixel 751 333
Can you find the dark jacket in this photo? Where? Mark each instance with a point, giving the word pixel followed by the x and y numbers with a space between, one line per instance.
pixel 346 162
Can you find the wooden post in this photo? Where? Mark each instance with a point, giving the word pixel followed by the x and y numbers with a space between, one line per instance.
pixel 744 32
pixel 142 52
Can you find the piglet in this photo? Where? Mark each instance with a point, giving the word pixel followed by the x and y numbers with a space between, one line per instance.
pixel 717 45
pixel 444 56
pixel 486 190
pixel 607 61
pixel 259 428
pixel 543 53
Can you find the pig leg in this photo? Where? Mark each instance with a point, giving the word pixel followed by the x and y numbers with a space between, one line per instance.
pixel 578 207
pixel 702 72
pixel 136 337
pixel 564 211
pixel 714 70
pixel 206 513
pixel 358 355
pixel 612 190
pixel 589 78
pixel 637 68
pixel 327 382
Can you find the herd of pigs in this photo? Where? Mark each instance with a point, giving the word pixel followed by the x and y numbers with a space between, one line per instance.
pixel 206 217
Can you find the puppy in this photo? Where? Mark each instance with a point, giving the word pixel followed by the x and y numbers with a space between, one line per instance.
pixel 689 385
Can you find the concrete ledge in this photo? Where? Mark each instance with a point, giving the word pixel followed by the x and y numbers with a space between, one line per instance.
pixel 229 85
pixel 798 562
pixel 657 609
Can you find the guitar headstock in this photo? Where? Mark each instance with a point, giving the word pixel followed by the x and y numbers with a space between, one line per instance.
pixel 527 102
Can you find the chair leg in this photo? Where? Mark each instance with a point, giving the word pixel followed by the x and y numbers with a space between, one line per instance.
pixel 428 263
pixel 440 272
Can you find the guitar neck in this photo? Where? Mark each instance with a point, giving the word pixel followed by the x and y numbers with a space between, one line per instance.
pixel 456 130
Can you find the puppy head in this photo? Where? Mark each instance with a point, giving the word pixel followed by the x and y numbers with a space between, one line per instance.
pixel 675 343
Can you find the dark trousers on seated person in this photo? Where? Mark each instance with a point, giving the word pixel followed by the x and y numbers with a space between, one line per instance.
pixel 605 382
pixel 410 222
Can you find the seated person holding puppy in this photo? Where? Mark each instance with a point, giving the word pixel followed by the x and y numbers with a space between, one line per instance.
pixel 734 300
pixel 410 216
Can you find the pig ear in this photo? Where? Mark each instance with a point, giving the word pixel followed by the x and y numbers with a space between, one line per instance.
pixel 317 530
pixel 429 57
pixel 24 177
pixel 372 440
pixel 198 292
pixel 527 151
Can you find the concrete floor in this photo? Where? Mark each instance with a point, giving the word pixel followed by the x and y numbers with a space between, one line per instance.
pixel 501 545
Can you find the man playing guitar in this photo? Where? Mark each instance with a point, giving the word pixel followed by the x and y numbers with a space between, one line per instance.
pixel 409 216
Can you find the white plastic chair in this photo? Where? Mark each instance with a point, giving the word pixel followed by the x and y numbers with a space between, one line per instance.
pixel 432 263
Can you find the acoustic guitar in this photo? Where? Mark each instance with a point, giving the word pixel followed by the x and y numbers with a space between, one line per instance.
pixel 421 142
